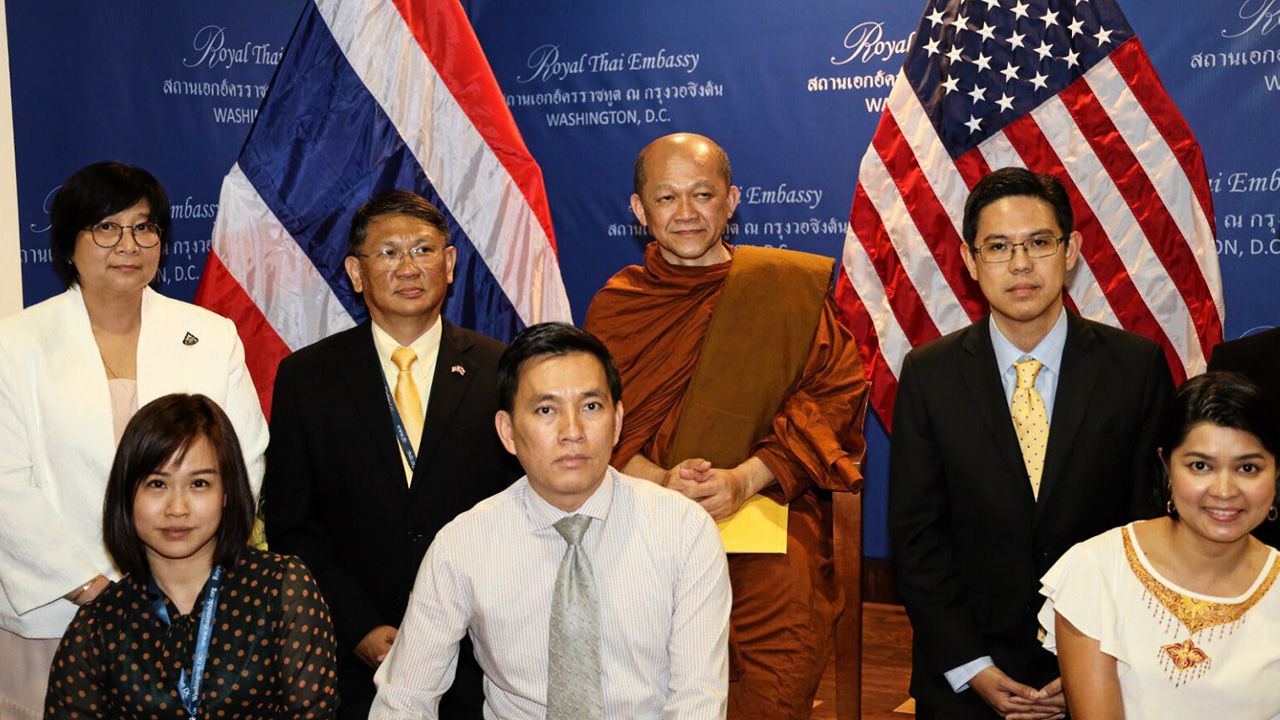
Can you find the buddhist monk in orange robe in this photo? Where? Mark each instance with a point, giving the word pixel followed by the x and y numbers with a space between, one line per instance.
pixel 654 319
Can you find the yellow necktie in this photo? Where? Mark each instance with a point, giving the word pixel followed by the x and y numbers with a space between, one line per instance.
pixel 1030 420
pixel 407 402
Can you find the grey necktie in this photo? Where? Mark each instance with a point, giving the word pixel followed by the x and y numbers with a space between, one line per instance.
pixel 574 685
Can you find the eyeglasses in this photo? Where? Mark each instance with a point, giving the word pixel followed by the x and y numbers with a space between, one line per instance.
pixel 108 234
pixel 420 255
pixel 998 251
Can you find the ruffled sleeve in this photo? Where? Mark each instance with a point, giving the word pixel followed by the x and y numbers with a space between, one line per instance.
pixel 1081 587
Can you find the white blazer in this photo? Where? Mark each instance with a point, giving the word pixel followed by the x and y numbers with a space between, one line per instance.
pixel 57 443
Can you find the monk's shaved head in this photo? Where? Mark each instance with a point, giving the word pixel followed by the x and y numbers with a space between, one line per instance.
pixel 687 142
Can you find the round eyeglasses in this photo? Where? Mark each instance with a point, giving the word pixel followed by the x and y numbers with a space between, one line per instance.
pixel 998 251
pixel 108 234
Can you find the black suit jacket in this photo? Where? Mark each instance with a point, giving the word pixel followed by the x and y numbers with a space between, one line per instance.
pixel 970 541
pixel 335 492
pixel 1257 357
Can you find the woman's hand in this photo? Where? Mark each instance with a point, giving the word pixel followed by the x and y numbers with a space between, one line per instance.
pixel 86 593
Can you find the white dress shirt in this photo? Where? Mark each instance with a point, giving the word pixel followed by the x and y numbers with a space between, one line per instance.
pixel 662 581
pixel 1049 354
pixel 427 348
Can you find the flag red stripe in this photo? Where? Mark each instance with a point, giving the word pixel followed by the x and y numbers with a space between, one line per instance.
pixel 1133 64
pixel 445 36
pixel 263 349
pixel 1162 233
pixel 972 167
pixel 1096 247
pixel 853 314
pixel 927 212
pixel 904 298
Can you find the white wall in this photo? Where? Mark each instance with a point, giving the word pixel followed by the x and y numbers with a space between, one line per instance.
pixel 10 268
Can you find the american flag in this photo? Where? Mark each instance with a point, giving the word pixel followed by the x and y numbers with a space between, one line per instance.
pixel 1058 87
pixel 372 95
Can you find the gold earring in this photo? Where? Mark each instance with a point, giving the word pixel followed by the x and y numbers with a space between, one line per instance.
pixel 1169 508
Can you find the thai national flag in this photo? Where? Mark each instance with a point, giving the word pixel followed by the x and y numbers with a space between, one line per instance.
pixel 372 95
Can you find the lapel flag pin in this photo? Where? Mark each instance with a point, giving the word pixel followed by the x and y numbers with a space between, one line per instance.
pixel 459 370
pixel 190 339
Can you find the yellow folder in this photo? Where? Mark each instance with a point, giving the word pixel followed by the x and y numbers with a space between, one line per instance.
pixel 759 527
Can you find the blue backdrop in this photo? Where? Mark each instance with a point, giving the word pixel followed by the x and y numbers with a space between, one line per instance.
pixel 792 90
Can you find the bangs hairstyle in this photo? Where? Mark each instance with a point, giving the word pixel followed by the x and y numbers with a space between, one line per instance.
pixel 165 429
pixel 92 193
pixel 394 202
pixel 551 339
pixel 1016 182
pixel 1225 399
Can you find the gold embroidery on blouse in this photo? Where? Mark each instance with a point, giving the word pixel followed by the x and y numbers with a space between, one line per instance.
pixel 1175 611
pixel 1184 655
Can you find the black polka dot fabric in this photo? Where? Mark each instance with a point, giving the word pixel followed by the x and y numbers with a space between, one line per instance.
pixel 271 654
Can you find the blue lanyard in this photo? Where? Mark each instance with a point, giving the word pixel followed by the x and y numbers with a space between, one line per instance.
pixel 401 434
pixel 189 685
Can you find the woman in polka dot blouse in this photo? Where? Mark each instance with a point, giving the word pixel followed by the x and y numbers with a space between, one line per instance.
pixel 200 626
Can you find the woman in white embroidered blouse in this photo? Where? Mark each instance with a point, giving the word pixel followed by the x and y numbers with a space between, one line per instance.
pixel 1179 617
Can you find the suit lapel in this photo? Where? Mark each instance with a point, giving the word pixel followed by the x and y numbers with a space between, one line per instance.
pixel 1080 366
pixel 982 378
pixel 368 395
pixel 454 372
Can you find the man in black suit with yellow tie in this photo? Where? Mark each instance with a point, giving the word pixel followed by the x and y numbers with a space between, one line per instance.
pixel 1013 439
pixel 380 435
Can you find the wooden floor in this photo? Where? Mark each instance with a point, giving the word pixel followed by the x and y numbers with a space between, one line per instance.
pixel 886 666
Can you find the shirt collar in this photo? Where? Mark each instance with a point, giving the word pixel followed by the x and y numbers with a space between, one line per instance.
pixel 543 515
pixel 1048 351
pixel 427 344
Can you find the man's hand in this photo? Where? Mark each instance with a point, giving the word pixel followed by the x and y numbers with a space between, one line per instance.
pixel 687 476
pixel 1015 701
pixel 373 649
pixel 724 490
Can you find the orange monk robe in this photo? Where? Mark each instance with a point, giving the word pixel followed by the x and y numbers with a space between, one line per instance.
pixel 653 318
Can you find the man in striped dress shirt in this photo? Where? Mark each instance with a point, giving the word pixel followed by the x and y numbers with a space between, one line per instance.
pixel 649 628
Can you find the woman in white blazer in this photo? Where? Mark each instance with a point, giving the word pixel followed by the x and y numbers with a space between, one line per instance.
pixel 73 370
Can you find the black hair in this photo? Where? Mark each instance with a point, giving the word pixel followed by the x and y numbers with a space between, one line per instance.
pixel 1225 399
pixel 1016 182
pixel 165 429
pixel 394 202
pixel 554 339
pixel 92 193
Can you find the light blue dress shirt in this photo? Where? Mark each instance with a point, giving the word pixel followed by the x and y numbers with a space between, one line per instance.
pixel 1049 353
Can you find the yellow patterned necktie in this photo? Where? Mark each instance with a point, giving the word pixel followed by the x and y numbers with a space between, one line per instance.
pixel 1030 420
pixel 408 403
